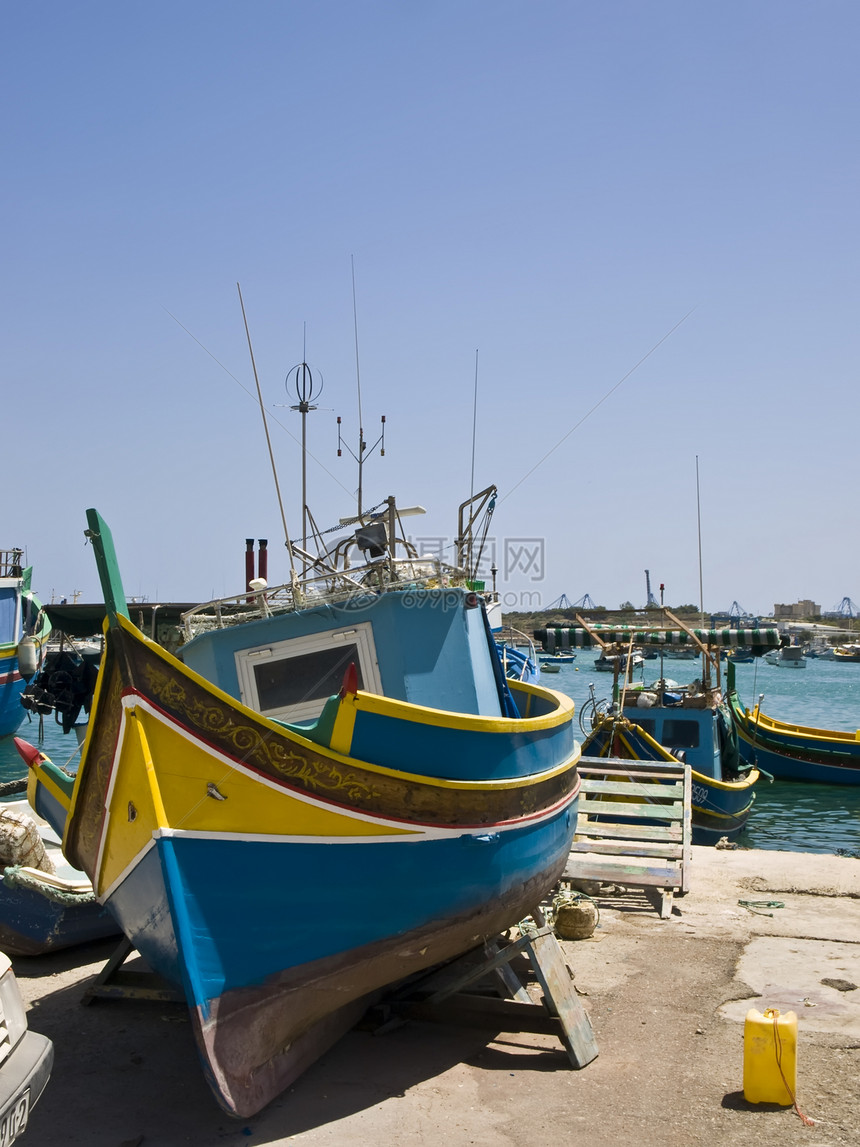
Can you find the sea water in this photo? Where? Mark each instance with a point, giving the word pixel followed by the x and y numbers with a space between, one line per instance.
pixel 788 815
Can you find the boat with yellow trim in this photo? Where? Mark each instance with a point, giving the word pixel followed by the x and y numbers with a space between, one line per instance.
pixel 330 786
pixel 24 634
pixel 695 731
pixel 795 752
pixel 664 721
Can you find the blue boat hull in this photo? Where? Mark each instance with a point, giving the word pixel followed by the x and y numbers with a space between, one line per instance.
pixel 11 687
pixel 792 767
pixel 323 937
pixel 794 753
pixel 33 923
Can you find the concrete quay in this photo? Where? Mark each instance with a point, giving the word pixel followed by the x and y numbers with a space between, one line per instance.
pixel 666 999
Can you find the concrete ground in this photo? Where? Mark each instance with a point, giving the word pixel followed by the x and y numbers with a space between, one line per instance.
pixel 666 999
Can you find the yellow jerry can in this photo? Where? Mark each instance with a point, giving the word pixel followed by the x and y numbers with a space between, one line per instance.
pixel 770 1057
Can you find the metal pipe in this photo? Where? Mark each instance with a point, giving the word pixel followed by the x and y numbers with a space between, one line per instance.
pixel 249 563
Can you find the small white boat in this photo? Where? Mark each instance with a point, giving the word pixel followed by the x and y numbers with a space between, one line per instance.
pixel 607 662
pixel 789 657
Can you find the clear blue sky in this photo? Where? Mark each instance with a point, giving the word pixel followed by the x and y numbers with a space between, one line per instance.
pixel 554 186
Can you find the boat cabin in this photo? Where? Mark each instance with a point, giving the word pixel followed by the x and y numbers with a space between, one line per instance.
pixel 433 649
pixel 691 734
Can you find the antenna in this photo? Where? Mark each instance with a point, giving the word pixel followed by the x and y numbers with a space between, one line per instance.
pixel 306 388
pixel 699 521
pixel 362 444
pixel 268 439
pixel 474 427
pixel 474 431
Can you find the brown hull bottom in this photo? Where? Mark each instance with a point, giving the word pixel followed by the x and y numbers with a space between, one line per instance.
pixel 256 1042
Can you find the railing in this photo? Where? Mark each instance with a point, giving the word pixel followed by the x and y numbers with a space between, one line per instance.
pixel 11 563
pixel 383 575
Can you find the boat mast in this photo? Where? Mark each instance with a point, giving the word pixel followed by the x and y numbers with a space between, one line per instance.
pixel 706 659
pixel 287 542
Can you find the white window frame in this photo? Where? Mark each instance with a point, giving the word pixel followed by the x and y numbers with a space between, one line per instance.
pixel 360 635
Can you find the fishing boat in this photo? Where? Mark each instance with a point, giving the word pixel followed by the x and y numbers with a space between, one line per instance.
pixel 794 752
pixel 846 653
pixel 331 786
pixel 687 725
pixel 787 657
pixel 664 721
pixel 518 655
pixel 24 633
pixel 618 662
pixel 45 904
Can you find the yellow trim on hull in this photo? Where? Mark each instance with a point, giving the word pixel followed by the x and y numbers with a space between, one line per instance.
pixel 562 712
pixel 746 782
pixel 765 724
pixel 201 792
pixel 714 815
pixel 405 711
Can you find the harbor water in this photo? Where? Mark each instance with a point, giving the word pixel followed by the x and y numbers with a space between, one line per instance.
pixel 787 815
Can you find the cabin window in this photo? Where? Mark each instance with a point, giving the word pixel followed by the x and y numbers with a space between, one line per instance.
pixel 679 734
pixel 293 679
pixel 648 725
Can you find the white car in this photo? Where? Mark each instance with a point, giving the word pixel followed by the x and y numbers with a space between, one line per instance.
pixel 25 1058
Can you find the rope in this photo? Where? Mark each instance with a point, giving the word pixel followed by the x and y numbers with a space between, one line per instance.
pixel 9 788
pixel 754 905
pixel 778 1041
pixel 351 521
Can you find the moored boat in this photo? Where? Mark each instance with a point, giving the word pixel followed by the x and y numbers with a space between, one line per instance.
pixel 794 752
pixel 332 787
pixel 846 653
pixel 691 726
pixel 45 904
pixel 518 655
pixel 609 662
pixel 787 657
pixel 668 722
pixel 24 633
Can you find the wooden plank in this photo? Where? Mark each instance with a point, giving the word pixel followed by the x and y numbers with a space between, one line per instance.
pixel 560 1014
pixel 628 808
pixel 507 977
pixel 663 791
pixel 631 848
pixel 687 862
pixel 560 996
pixel 596 766
pixel 465 1010
pixel 117 983
pixel 631 831
pixel 615 871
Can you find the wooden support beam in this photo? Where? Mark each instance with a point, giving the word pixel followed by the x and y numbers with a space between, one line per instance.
pixel 442 996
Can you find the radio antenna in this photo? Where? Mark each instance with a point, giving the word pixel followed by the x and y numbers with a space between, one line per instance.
pixel 287 541
pixel 362 445
pixel 306 389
